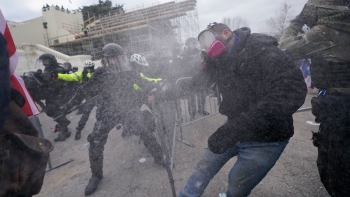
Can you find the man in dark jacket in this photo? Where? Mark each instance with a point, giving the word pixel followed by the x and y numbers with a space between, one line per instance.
pixel 327 43
pixel 261 89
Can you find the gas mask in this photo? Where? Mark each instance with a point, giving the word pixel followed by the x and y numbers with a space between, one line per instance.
pixel 117 63
pixel 211 43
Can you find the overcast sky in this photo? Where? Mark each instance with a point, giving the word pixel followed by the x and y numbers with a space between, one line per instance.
pixel 256 12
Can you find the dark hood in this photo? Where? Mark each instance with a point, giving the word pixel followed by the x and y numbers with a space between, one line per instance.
pixel 252 41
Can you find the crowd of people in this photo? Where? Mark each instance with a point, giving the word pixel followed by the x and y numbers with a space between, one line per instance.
pixel 260 85
pixel 118 89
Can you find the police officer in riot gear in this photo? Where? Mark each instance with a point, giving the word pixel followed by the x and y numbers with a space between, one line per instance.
pixel 327 43
pixel 55 93
pixel 114 83
pixel 67 67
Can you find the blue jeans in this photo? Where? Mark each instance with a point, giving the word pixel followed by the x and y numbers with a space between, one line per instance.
pixel 254 161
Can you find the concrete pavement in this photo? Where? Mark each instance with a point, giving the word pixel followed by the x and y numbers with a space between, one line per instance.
pixel 295 173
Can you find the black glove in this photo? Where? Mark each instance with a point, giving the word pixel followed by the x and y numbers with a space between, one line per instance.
pixel 226 136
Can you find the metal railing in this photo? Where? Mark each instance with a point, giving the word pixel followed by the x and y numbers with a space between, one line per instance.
pixel 43 49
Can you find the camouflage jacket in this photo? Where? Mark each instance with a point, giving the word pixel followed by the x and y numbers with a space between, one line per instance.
pixel 329 36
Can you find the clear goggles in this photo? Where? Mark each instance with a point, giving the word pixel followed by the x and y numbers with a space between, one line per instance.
pixel 206 38
pixel 117 63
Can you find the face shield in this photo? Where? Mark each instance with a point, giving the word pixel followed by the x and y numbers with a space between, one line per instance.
pixel 117 63
pixel 211 44
pixel 67 68
pixel 42 63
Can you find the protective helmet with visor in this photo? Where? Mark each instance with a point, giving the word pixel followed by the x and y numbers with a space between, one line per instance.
pixel 46 60
pixel 88 66
pixel 115 59
pixel 211 43
pixel 67 67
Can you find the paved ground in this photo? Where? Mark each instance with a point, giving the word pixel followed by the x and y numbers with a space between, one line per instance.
pixel 295 174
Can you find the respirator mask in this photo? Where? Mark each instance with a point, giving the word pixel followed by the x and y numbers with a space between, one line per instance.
pixel 211 43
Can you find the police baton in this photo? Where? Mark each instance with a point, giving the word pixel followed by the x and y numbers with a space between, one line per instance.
pixel 74 108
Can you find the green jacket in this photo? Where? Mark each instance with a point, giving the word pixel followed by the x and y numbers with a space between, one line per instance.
pixel 76 76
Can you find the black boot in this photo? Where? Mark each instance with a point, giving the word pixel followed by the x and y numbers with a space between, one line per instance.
pixel 91 187
pixel 77 135
pixel 63 134
pixel 96 164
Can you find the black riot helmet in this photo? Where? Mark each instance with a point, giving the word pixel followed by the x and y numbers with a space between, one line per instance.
pixel 114 58
pixel 47 60
pixel 67 67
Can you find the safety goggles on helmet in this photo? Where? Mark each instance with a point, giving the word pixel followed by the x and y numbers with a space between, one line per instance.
pixel 117 63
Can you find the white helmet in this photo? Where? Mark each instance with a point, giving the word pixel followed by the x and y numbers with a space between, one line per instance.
pixel 139 59
pixel 88 63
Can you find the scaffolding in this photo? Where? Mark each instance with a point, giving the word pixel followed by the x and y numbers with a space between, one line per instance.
pixel 141 29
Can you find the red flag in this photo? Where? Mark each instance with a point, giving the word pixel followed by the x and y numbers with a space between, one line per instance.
pixel 29 108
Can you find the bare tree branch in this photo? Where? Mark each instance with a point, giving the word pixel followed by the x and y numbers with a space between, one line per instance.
pixel 280 21
pixel 235 22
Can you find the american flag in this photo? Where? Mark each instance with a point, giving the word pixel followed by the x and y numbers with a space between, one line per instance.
pixel 30 108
